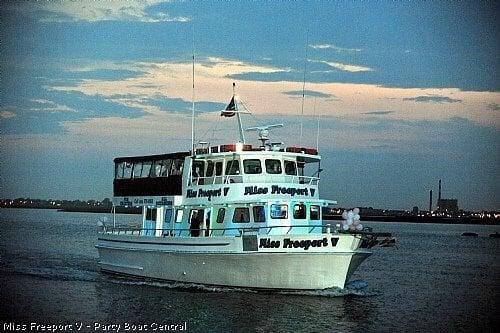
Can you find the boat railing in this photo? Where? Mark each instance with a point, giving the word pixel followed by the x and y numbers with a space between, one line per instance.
pixel 207 232
pixel 229 179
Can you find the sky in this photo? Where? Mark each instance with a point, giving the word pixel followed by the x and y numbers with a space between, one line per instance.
pixel 403 93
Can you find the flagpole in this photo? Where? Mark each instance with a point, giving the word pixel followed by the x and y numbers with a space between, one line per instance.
pixel 240 125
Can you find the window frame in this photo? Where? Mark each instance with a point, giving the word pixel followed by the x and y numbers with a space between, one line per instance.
pixel 304 210
pixel 246 215
pixel 285 162
pixel 252 160
pixel 254 213
pixel 279 217
pixel 220 219
pixel 229 167
pixel 268 166
pixel 310 213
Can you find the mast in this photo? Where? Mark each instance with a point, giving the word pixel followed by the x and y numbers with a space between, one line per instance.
pixel 303 90
pixel 240 125
pixel 192 107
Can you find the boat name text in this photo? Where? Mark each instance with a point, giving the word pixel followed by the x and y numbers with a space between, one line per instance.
pixel 201 193
pixel 289 243
pixel 275 189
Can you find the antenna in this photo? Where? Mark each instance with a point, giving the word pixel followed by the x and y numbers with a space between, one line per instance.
pixel 303 89
pixel 238 116
pixel 263 132
pixel 192 106
pixel 317 130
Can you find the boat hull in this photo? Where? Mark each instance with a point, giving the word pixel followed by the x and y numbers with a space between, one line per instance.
pixel 228 267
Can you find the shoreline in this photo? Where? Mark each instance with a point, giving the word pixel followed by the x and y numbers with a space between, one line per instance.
pixel 400 219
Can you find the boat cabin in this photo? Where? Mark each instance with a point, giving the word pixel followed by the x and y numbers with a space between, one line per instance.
pixel 223 191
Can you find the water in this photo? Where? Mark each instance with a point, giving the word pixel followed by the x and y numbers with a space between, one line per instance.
pixel 434 280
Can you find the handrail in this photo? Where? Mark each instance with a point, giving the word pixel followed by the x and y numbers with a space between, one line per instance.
pixel 202 231
pixel 226 179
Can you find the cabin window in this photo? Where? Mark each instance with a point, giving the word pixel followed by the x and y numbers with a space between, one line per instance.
pixel 178 215
pixel 177 166
pixel 168 215
pixel 210 169
pixel 315 212
pixel 151 214
pixel 127 170
pixel 290 168
pixel 160 168
pixel 299 211
pixel 241 215
pixel 221 214
pixel 120 170
pixel 136 173
pixel 218 168
pixel 233 167
pixel 273 166
pixel 279 211
pixel 198 170
pixel 259 214
pixel 252 167
pixel 146 169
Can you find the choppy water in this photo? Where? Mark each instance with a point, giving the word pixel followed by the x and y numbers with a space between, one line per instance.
pixel 434 280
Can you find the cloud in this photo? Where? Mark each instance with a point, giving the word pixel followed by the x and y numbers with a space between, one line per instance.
pixel 333 47
pixel 493 106
pixel 7 114
pixel 432 99
pixel 44 105
pixel 378 113
pixel 95 11
pixel 344 67
pixel 311 93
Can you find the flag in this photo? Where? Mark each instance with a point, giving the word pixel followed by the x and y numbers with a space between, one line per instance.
pixel 230 108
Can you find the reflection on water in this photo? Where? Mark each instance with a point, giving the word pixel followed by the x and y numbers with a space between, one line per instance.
pixel 434 280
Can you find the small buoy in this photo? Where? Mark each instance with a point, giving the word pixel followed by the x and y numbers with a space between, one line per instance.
pixel 183 273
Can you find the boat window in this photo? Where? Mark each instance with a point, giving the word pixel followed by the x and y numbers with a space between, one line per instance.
pixel 314 213
pixel 136 173
pixel 299 211
pixel 151 214
pixel 241 215
pixel 195 221
pixel 119 170
pixel 279 211
pixel 177 167
pixel 146 169
pixel 168 215
pixel 218 168
pixel 252 167
pixel 178 215
pixel 290 168
pixel 160 168
pixel 221 214
pixel 127 170
pixel 259 214
pixel 198 169
pixel 273 166
pixel 233 167
pixel 210 169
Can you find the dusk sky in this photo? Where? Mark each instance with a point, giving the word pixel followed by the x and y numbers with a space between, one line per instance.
pixel 407 92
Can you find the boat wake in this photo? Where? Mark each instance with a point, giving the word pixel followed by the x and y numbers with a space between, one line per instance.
pixel 178 285
pixel 352 288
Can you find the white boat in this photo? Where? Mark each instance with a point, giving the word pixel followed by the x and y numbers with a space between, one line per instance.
pixel 231 215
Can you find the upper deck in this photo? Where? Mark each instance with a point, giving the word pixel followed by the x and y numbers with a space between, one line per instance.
pixel 237 165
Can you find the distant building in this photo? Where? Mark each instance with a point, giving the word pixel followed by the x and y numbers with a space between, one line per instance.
pixel 415 210
pixel 447 205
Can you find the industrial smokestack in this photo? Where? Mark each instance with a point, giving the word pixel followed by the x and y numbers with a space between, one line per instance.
pixel 430 201
pixel 439 194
